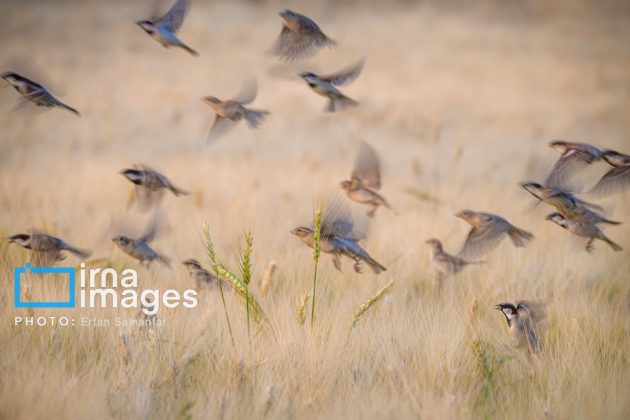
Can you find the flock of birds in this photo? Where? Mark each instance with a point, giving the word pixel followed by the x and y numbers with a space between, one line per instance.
pixel 301 37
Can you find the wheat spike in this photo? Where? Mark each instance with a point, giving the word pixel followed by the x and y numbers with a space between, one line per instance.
pixel 372 300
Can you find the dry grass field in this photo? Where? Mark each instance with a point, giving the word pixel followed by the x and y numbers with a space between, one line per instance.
pixel 459 98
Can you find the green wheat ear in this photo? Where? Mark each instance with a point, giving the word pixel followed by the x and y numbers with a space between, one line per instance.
pixel 316 252
pixel 371 301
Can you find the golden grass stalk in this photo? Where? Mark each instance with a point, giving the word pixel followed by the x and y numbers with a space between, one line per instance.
pixel 246 270
pixel 371 301
pixel 300 313
pixel 316 253
pixel 240 288
pixel 268 278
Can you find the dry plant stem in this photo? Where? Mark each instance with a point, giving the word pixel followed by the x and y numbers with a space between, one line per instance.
pixel 316 253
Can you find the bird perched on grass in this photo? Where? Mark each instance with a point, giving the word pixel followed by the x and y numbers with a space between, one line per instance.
pixel 444 263
pixel 573 158
pixel 299 38
pixel 487 232
pixel 139 248
pixel 523 322
pixel 325 86
pixel 567 204
pixel 365 180
pixel 163 29
pixel 47 249
pixel 338 239
pixel 35 93
pixel 584 229
pixel 230 112
pixel 202 277
pixel 615 180
pixel 150 185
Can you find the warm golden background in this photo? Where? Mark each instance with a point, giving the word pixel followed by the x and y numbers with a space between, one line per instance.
pixel 459 98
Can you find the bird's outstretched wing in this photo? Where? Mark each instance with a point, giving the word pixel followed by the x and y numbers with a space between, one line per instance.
pixel 367 168
pixel 337 219
pixel 345 75
pixel 174 18
pixel 219 128
pixel 483 239
pixel 566 167
pixel 614 181
pixel 247 93
pixel 295 45
pixel 152 229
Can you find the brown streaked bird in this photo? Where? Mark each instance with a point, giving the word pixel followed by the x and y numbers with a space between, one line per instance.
pixel 230 112
pixel 567 204
pixel 202 277
pixel 325 86
pixel 35 93
pixel 338 238
pixel 139 248
pixel 615 180
pixel 488 230
pixel 47 249
pixel 444 263
pixel 523 322
pixel 584 229
pixel 299 38
pixel 163 29
pixel 574 157
pixel 365 180
pixel 150 185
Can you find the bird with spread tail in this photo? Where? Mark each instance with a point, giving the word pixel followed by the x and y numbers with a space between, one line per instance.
pixel 299 38
pixel 523 322
pixel 488 230
pixel 163 29
pixel 150 185
pixel 365 180
pixel 584 229
pixel 230 112
pixel 339 238
pixel 34 92
pixel 47 249
pixel 325 85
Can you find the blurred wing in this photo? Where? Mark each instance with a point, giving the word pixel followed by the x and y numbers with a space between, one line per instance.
pixel 152 229
pixel 337 219
pixel 346 75
pixel 292 45
pixel 482 240
pixel 147 198
pixel 247 93
pixel 220 127
pixel 174 18
pixel 614 181
pixel 535 311
pixel 565 169
pixel 367 167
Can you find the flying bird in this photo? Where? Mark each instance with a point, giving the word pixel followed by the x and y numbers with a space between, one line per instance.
pixel 365 180
pixel 584 229
pixel 338 238
pixel 325 85
pixel 488 230
pixel 615 180
pixel 299 38
pixel 523 322
pixel 230 112
pixel 47 249
pixel 35 93
pixel 150 185
pixel 202 277
pixel 444 263
pixel 139 248
pixel 163 29
pixel 574 157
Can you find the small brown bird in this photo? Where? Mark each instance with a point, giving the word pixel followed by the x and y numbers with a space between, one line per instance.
pixel 34 93
pixel 444 263
pixel 338 239
pixel 299 38
pixel 325 86
pixel 523 322
pixel 574 157
pixel 567 204
pixel 150 185
pixel 139 248
pixel 163 29
pixel 617 179
pixel 487 232
pixel 202 277
pixel 230 112
pixel 584 229
pixel 47 249
pixel 365 180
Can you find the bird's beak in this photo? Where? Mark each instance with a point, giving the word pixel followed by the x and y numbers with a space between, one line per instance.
pixel 459 214
pixel 497 307
pixel 10 240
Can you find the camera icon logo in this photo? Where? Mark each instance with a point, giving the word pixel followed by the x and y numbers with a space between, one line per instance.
pixel 17 277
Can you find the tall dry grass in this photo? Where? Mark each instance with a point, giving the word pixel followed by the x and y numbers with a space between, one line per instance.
pixel 459 99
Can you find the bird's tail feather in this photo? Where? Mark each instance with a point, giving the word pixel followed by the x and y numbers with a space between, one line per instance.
pixel 340 103
pixel 190 50
pixel 68 108
pixel 80 253
pixel 164 260
pixel 375 266
pixel 255 117
pixel 613 245
pixel 178 191
pixel 610 222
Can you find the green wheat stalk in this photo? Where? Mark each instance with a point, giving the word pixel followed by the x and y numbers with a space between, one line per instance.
pixel 316 253
pixel 371 301
pixel 246 270
pixel 256 311
pixel 213 259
